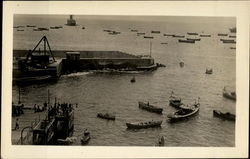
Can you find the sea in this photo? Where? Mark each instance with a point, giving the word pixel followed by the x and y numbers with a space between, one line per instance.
pixel 114 93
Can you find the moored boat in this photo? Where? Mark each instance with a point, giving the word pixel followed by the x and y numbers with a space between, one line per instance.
pixel 192 33
pixel 181 64
pixel 228 94
pixel 228 41
pixel 205 35
pixel 133 80
pixel 155 32
pixel 222 34
pixel 195 39
pixel 175 101
pixel 227 115
pixel 106 116
pixel 186 41
pixel 150 108
pixel 143 125
pixel 184 113
pixel 178 36
pixel 148 37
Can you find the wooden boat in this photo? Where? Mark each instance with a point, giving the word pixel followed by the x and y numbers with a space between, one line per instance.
pixel 205 35
pixel 134 30
pixel 178 36
pixel 155 32
pixel 228 41
pixel 150 108
pixel 209 71
pixel 86 137
pixel 233 48
pixel 164 43
pixel 133 80
pixel 174 101
pixel 184 113
pixel 181 64
pixel 168 34
pixel 227 115
pixel 161 141
pixel 229 95
pixel 221 34
pixel 232 36
pixel 148 37
pixel 192 33
pixel 30 26
pixel 67 141
pixel 195 39
pixel 141 33
pixel 46 29
pixel 106 116
pixel 143 125
pixel 20 30
pixel 186 41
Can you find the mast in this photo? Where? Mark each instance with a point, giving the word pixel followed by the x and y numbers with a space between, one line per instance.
pixel 150 48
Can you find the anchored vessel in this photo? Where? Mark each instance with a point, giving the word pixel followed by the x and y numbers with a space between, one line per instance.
pixel 106 116
pixel 141 125
pixel 229 95
pixel 150 108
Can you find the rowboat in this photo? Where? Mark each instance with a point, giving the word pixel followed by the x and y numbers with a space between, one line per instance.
pixel 205 35
pixel 175 102
pixel 195 39
pixel 184 113
pixel 178 36
pixel 86 137
pixel 148 37
pixel 186 41
pixel 156 32
pixel 150 108
pixel 142 125
pixel 132 80
pixel 227 115
pixel 229 95
pixel 192 33
pixel 106 116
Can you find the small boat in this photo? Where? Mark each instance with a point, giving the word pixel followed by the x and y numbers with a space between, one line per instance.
pixel 67 141
pixel 164 43
pixel 209 71
pixel 181 64
pixel 148 37
pixel 161 141
pixel 229 95
pixel 192 33
pixel 143 125
pixel 205 35
pixel 141 33
pixel 178 36
pixel 133 80
pixel 233 30
pixel 150 108
pixel 184 113
pixel 86 137
pixel 46 29
pixel 174 101
pixel 106 116
pixel 155 32
pixel 195 39
pixel 186 41
pixel 37 30
pixel 227 115
pixel 134 30
pixel 232 36
pixel 30 26
pixel 233 48
pixel 20 30
pixel 221 34
pixel 228 41
pixel 83 28
pixel 168 34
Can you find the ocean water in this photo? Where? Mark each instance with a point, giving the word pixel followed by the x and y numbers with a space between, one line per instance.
pixel 115 94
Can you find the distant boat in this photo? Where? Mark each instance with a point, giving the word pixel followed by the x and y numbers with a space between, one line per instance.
pixel 20 30
pixel 134 30
pixel 228 41
pixel 233 48
pixel 71 21
pixel 233 30
pixel 181 64
pixel 209 71
pixel 168 34
pixel 184 112
pixel 186 41
pixel 46 29
pixel 54 28
pixel 83 27
pixel 37 30
pixel 222 34
pixel 195 39
pixel 141 33
pixel 192 33
pixel 30 26
pixel 148 37
pixel 164 43
pixel 155 32
pixel 178 36
pixel 232 36
pixel 226 116
pixel 150 108
pixel 143 125
pixel 86 137
pixel 228 94
pixel 133 80
pixel 106 116
pixel 205 35
pixel 107 30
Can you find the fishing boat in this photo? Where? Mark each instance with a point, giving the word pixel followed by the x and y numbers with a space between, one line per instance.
pixel 175 101
pixel 155 32
pixel 106 116
pixel 222 34
pixel 161 141
pixel 86 137
pixel 195 39
pixel 186 41
pixel 178 36
pixel 192 33
pixel 228 94
pixel 205 35
pixel 67 141
pixel 209 71
pixel 148 37
pixel 184 113
pixel 226 116
pixel 133 80
pixel 143 125
pixel 150 108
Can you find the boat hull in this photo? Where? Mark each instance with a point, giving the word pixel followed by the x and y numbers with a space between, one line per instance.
pixel 150 108
pixel 143 126
pixel 226 116
pixel 103 116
